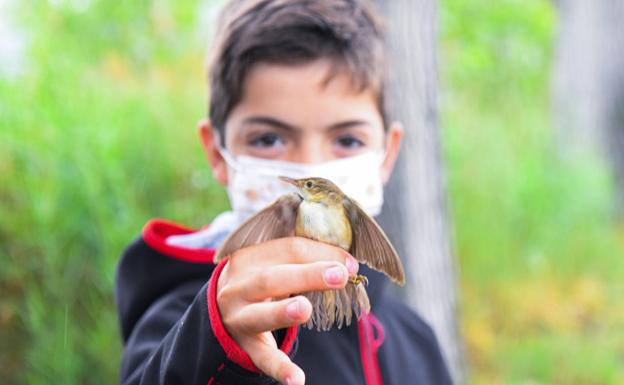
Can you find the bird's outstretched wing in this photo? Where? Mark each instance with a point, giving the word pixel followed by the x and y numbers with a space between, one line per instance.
pixel 370 244
pixel 277 220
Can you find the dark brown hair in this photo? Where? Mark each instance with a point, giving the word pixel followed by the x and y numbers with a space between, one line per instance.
pixel 347 32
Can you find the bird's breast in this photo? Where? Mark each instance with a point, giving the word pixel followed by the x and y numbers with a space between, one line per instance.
pixel 323 223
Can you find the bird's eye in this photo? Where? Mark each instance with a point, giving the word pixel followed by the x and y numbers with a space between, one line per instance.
pixel 308 184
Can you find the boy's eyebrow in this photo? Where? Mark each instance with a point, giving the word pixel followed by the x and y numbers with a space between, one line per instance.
pixel 348 124
pixel 269 121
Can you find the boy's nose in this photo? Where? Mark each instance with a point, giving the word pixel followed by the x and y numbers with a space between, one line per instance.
pixel 309 158
pixel 310 152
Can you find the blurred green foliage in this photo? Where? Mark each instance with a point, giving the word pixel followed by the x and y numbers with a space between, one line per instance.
pixel 97 135
pixel 540 254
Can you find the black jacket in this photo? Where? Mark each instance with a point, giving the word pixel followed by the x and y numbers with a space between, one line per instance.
pixel 172 331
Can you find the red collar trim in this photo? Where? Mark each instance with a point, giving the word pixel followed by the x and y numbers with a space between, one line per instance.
pixel 156 232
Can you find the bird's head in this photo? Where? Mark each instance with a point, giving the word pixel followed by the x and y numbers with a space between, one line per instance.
pixel 314 189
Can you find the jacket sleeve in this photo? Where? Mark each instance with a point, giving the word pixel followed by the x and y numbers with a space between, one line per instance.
pixel 170 323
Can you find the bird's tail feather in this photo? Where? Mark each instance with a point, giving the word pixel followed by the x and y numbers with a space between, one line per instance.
pixel 337 306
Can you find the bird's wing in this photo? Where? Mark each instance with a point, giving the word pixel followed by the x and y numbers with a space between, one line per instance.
pixel 277 220
pixel 370 244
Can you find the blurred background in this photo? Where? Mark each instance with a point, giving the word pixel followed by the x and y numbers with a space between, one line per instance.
pixel 99 102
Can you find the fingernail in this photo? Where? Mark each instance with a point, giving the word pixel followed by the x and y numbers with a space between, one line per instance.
pixel 293 309
pixel 334 275
pixel 352 265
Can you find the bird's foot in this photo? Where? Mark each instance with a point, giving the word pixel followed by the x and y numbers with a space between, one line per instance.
pixel 359 279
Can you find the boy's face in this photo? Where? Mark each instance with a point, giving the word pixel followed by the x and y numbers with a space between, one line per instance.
pixel 291 113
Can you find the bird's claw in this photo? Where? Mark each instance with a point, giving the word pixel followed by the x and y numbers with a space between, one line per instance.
pixel 359 279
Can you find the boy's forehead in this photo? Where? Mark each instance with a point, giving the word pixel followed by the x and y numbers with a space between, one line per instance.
pixel 319 75
pixel 305 95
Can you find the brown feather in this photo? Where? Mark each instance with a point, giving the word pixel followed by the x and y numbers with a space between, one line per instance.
pixel 363 303
pixel 274 221
pixel 337 306
pixel 371 245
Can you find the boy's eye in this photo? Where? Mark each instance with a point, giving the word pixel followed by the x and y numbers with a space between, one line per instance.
pixel 350 142
pixel 268 139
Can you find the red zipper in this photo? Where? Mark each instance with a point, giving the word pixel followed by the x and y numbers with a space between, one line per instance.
pixel 368 326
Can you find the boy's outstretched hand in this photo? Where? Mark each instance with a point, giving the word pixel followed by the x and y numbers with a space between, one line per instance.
pixel 254 289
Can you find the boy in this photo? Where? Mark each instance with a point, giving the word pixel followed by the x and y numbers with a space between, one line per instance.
pixel 297 87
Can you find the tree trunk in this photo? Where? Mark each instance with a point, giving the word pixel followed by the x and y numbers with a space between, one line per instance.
pixel 588 82
pixel 415 213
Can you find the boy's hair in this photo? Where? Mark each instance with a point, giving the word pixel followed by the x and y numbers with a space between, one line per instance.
pixel 347 32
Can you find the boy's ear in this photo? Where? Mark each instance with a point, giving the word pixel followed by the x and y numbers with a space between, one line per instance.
pixel 393 145
pixel 210 144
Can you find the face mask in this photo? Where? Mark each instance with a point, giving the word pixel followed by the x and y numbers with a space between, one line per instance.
pixel 253 182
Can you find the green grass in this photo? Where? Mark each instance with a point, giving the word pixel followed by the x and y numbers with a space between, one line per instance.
pixel 98 135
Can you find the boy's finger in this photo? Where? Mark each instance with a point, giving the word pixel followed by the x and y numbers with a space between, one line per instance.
pixel 294 250
pixel 275 363
pixel 283 280
pixel 266 316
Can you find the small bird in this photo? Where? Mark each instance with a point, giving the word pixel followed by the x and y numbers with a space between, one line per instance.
pixel 319 210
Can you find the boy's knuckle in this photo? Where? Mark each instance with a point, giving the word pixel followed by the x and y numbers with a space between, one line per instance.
pixel 311 276
pixel 244 322
pixel 343 254
pixel 297 247
pixel 262 280
pixel 229 321
pixel 281 368
pixel 224 295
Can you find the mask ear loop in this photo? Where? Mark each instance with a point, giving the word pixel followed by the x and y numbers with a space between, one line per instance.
pixel 229 159
pixel 383 156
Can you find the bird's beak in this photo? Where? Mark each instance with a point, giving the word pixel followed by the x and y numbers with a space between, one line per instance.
pixel 292 182
pixel 288 180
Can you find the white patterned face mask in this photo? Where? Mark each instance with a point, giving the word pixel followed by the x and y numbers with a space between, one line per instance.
pixel 253 182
